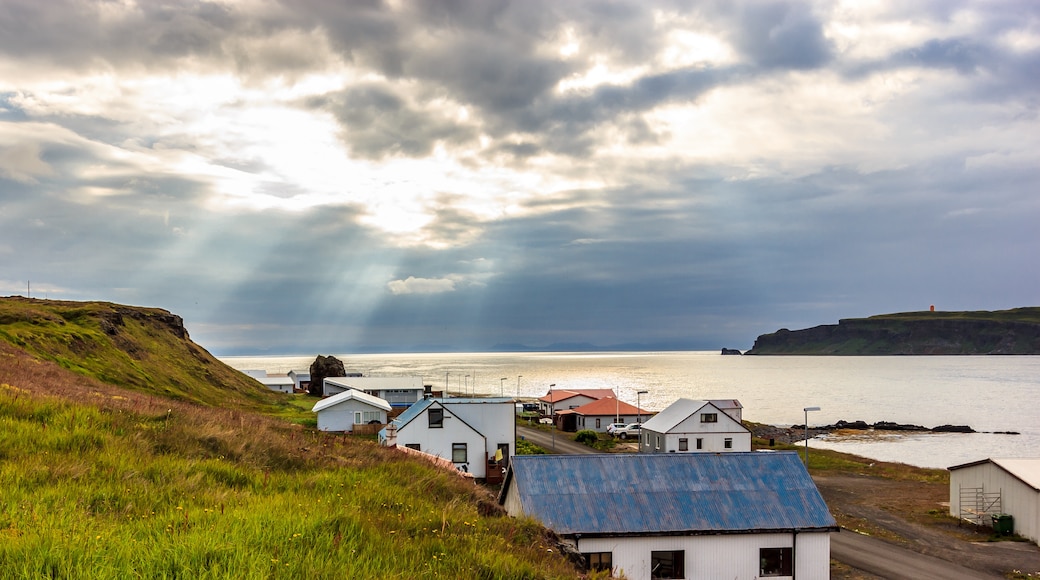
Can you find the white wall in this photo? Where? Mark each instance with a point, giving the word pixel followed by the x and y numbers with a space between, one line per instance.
pixel 341 417
pixel 714 435
pixel 495 421
pixel 711 557
pixel 439 441
pixel 1017 498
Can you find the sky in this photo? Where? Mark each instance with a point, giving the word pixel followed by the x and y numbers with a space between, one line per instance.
pixel 308 176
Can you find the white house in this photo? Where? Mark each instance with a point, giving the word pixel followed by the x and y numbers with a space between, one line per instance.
pixel 980 489
pixel 673 516
pixel 688 426
pixel 279 384
pixel 301 379
pixel 398 391
pixel 469 432
pixel 342 411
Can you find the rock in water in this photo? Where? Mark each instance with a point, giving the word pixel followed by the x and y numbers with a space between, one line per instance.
pixel 321 368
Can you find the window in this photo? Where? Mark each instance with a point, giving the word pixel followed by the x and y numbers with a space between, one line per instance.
pixel 458 453
pixel 597 561
pixel 597 422
pixel 657 442
pixel 727 443
pixel 709 417
pixel 684 444
pixel 700 443
pixel 667 564
pixel 436 418
pixel 776 561
pixel 361 417
pixel 413 446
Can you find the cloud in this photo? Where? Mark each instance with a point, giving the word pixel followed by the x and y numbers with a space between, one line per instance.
pixel 413 285
pixel 520 172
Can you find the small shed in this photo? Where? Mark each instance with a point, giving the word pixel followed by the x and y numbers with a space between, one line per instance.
pixel 278 384
pixel 343 411
pixel 1004 487
pixel 301 380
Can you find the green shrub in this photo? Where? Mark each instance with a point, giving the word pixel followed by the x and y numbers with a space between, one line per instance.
pixel 587 437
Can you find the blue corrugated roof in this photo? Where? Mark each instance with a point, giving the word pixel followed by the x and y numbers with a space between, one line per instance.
pixel 674 493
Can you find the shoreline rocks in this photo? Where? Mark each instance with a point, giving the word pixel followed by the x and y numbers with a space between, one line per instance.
pixel 797 432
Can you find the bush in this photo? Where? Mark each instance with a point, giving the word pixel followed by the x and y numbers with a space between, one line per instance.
pixel 587 436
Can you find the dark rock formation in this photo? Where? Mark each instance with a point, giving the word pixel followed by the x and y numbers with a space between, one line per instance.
pixel 321 368
pixel 730 351
pixel 915 333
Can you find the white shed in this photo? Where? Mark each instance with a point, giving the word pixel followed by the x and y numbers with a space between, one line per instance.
pixel 1006 486
pixel 341 412
pixel 301 379
pixel 688 426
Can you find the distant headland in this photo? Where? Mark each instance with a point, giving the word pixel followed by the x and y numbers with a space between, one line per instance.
pixel 1015 331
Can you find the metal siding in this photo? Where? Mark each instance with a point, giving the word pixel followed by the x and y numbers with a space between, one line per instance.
pixel 713 557
pixel 670 493
pixel 1017 498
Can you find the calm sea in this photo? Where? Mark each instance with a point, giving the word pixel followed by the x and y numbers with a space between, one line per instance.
pixel 989 393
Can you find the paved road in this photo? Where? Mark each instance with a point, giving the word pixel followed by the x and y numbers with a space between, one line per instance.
pixel 888 561
pixel 862 552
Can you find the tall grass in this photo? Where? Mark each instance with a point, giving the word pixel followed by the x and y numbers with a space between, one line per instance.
pixel 122 485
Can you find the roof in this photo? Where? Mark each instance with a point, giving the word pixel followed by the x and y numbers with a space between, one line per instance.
pixel 412 412
pixel 1026 470
pixel 674 414
pixel 684 493
pixel 726 403
pixel 610 406
pixel 377 383
pixel 348 395
pixel 421 405
pixel 564 394
pixel 276 380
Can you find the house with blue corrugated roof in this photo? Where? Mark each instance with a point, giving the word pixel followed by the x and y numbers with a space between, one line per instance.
pixel 689 426
pixel 469 432
pixel 647 516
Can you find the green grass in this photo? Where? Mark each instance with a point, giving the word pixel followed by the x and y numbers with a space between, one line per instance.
pixel 91 492
pixel 128 451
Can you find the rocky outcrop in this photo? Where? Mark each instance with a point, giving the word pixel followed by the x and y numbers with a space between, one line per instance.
pixel 730 351
pixel 917 333
pixel 322 368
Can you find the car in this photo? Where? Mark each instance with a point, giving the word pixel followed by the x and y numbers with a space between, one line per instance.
pixel 630 430
pixel 612 426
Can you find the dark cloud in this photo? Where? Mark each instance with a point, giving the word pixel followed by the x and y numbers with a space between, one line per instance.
pixel 779 34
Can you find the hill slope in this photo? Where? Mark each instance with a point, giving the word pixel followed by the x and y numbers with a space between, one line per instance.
pixel 101 481
pixel 1015 331
pixel 143 349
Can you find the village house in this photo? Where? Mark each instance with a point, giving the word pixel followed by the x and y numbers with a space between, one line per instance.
pixel 599 414
pixel 475 434
pixel 276 383
pixel 1003 493
pixel 398 391
pixel 344 411
pixel 688 426
pixel 301 380
pixel 563 399
pixel 673 516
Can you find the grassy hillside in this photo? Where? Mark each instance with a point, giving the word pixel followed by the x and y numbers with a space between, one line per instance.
pixel 142 349
pixel 100 481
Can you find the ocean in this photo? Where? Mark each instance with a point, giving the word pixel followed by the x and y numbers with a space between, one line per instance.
pixel 988 393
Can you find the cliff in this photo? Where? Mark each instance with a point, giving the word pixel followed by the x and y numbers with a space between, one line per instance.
pixel 1015 331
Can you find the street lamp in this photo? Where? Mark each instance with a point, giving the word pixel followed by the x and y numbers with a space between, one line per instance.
pixel 501 389
pixel 639 409
pixel 806 410
pixel 467 384
pixel 639 419
pixel 552 416
pixel 518 385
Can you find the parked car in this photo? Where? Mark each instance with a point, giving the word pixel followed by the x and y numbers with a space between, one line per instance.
pixel 630 430
pixel 613 426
